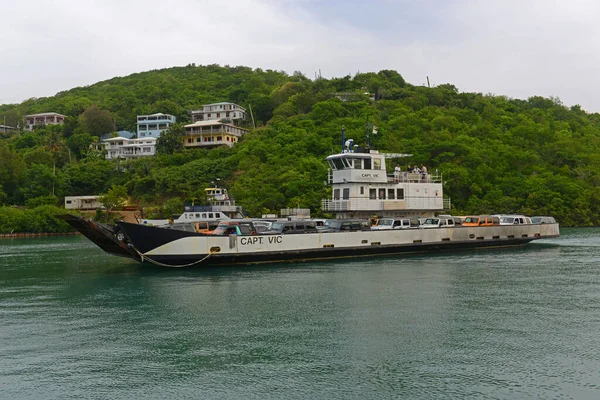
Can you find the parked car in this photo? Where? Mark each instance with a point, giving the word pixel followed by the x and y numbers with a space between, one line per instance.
pixel 481 220
pixel 226 228
pixel 337 225
pixel 440 222
pixel 514 219
pixel 543 220
pixel 392 223
pixel 296 226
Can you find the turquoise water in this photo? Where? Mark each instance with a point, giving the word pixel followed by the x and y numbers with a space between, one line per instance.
pixel 507 324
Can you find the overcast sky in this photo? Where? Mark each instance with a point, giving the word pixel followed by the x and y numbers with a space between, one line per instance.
pixel 517 48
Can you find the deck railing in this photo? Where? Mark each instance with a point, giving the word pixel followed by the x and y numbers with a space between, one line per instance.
pixel 408 203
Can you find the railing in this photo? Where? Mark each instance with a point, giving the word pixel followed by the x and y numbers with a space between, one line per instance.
pixel 415 177
pixel 408 203
pixel 298 212
pixel 447 203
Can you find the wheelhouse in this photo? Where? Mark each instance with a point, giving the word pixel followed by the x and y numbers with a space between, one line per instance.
pixel 362 187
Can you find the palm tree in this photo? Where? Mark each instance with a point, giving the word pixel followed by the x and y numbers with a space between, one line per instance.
pixel 54 144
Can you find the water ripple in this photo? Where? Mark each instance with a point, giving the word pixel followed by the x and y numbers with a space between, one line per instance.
pixel 498 324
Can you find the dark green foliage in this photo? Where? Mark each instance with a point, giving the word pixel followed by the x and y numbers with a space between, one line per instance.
pixel 96 121
pixel 497 154
pixel 171 140
pixel 37 220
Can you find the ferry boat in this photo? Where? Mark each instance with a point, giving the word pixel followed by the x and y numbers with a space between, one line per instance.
pixel 221 207
pixel 361 188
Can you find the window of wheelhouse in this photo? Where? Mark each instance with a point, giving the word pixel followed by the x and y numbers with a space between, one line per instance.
pixel 400 194
pixel 336 163
pixel 347 163
pixel 373 194
pixel 367 163
pixel 376 163
pixel 346 194
pixel 357 163
pixel 336 194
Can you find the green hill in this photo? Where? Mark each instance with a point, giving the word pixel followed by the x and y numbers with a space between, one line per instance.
pixel 497 154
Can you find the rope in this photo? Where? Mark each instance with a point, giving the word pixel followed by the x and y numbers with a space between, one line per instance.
pixel 146 258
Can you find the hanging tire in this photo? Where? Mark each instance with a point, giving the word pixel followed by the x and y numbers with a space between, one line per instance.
pixel 120 236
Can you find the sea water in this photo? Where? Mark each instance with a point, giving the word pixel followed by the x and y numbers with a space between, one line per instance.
pixel 514 323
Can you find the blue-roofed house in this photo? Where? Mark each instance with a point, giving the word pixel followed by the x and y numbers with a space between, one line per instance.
pixel 123 134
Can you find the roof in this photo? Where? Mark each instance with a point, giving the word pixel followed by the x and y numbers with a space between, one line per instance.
pixel 156 115
pixel 123 134
pixel 44 115
pixel 207 123
pixel 213 123
pixel 83 197
pixel 115 139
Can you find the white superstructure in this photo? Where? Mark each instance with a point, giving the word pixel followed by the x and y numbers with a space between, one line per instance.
pixel 362 188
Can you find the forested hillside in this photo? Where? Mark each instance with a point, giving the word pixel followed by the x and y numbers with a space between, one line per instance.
pixel 497 154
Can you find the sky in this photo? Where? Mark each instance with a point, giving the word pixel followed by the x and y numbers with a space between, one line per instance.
pixel 515 48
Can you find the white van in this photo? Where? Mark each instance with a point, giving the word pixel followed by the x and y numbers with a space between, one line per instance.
pixel 392 223
pixel 514 220
pixel 438 222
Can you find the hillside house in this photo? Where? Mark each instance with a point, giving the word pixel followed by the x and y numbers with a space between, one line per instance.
pixel 43 119
pixel 212 134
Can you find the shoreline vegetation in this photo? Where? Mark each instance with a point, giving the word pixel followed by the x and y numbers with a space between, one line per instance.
pixel 35 235
pixel 533 156
pixel 42 220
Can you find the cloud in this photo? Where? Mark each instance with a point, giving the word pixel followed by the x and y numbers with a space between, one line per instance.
pixel 509 47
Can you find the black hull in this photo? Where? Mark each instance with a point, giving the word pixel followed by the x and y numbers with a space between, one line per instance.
pixel 148 237
pixel 205 260
pixel 102 235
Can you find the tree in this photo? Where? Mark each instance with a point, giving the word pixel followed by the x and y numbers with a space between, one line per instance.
pixel 171 140
pixel 54 143
pixel 96 121
pixel 79 144
pixel 11 172
pixel 41 181
pixel 115 197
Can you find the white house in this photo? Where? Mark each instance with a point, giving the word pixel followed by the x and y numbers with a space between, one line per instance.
pixel 219 111
pixel 120 147
pixel 7 129
pixel 82 202
pixel 50 118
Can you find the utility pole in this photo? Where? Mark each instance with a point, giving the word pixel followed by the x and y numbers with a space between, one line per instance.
pixel 252 115
pixel 368 127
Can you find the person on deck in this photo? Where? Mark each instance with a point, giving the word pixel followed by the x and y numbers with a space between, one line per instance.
pixel 424 172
